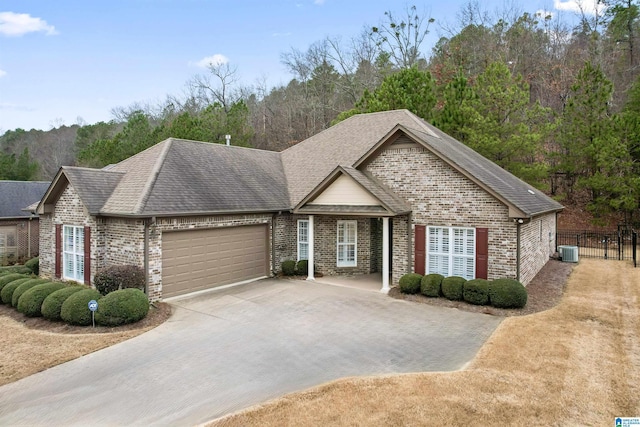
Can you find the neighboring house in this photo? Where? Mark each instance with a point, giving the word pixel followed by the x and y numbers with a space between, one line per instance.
pixel 382 192
pixel 19 239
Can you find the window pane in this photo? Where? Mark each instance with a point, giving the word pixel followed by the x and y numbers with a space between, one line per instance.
pixel 68 238
pixel 439 264
pixel 303 231
pixel 303 251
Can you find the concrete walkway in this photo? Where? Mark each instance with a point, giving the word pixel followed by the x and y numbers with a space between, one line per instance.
pixel 237 347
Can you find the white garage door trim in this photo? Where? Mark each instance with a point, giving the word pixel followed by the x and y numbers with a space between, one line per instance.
pixel 204 259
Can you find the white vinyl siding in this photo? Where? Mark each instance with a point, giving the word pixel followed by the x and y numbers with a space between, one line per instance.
pixel 303 239
pixel 347 243
pixel 73 253
pixel 451 251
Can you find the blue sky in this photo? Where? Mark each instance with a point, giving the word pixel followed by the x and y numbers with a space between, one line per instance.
pixel 61 60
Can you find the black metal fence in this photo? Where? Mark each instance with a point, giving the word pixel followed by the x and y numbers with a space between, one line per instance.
pixel 621 244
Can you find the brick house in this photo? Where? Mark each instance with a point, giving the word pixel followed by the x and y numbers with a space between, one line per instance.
pixel 19 238
pixel 382 192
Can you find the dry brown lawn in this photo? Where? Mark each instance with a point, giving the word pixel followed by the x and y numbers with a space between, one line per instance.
pixel 31 345
pixel 575 364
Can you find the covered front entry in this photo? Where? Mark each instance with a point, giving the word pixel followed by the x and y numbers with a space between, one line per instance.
pixel 196 260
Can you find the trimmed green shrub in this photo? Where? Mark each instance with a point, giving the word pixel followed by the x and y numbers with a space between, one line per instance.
pixel 430 285
pixel 7 290
pixel 476 291
pixel 20 269
pixel 507 293
pixel 289 267
pixel 302 267
pixel 122 307
pixel 119 277
pixel 410 283
pixel 452 287
pixel 75 309
pixel 30 303
pixel 23 288
pixel 33 265
pixel 52 304
pixel 8 278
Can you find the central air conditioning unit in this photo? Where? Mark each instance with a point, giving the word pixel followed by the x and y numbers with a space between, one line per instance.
pixel 568 253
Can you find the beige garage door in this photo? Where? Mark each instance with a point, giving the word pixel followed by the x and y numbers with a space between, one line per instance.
pixel 201 259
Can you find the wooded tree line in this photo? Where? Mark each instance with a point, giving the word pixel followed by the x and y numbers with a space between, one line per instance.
pixel 557 104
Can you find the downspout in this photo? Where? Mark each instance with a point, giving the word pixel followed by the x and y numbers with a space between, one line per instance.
pixel 555 237
pixel 410 234
pixel 146 257
pixel 273 245
pixel 29 237
pixel 518 251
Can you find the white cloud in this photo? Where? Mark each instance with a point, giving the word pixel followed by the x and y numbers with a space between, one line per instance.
pixel 589 7
pixel 213 60
pixel 281 34
pixel 318 2
pixel 18 24
pixel 2 73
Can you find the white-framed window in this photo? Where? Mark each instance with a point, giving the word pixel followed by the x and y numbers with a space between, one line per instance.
pixel 73 253
pixel 451 251
pixel 347 243
pixel 303 239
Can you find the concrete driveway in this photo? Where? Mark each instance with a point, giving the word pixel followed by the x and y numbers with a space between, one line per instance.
pixel 233 348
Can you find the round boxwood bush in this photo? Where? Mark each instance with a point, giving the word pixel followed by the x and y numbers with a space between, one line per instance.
pixel 507 293
pixel 9 288
pixel 33 265
pixel 476 291
pixel 75 309
pixel 8 278
pixel 289 267
pixel 23 288
pixel 452 287
pixel 52 304
pixel 122 307
pixel 430 285
pixel 30 303
pixel 410 283
pixel 302 267
pixel 119 277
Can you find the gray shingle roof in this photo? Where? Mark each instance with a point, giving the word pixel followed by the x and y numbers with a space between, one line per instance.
pixel 17 195
pixel 94 186
pixel 189 177
pixel 205 177
pixel 349 143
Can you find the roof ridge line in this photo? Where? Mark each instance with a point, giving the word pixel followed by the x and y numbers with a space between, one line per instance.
pixel 151 180
pixel 422 123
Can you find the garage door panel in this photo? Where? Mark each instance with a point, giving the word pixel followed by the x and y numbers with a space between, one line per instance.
pixel 194 260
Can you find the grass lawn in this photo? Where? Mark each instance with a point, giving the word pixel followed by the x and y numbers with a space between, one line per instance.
pixel 576 364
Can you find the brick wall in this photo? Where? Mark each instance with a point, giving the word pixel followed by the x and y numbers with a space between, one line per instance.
pixel 69 210
pixel 441 196
pixel 537 243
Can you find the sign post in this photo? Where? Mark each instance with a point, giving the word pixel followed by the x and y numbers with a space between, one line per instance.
pixel 93 306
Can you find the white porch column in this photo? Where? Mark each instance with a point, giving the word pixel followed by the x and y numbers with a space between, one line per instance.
pixel 310 250
pixel 385 255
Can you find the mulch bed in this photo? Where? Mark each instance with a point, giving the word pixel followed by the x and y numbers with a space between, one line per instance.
pixel 544 292
pixel 158 313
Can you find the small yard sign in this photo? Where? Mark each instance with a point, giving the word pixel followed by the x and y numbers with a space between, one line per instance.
pixel 93 306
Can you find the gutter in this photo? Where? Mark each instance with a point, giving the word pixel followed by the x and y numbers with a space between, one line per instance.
pixel 197 213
